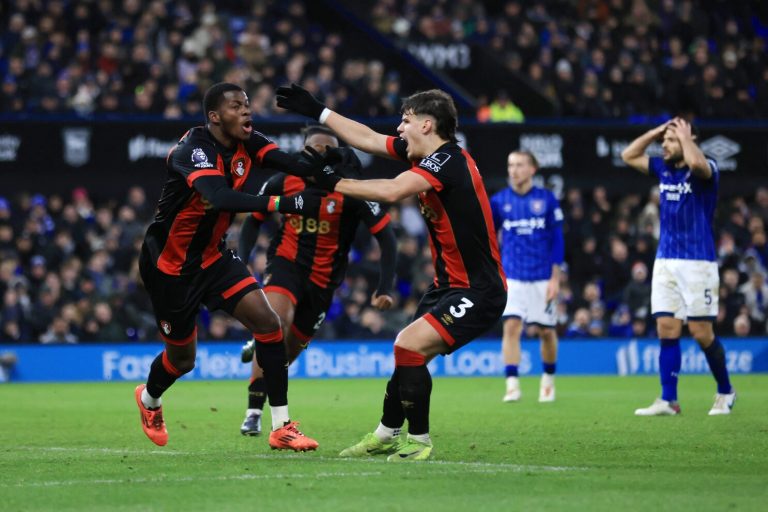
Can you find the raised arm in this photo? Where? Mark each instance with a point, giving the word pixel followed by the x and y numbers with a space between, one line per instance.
pixel 297 99
pixel 692 154
pixel 634 154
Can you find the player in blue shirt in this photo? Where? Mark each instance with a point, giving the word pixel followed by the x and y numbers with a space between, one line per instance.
pixel 530 221
pixel 685 280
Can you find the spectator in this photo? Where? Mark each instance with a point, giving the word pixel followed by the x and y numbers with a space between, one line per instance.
pixel 503 110
pixel 637 294
pixel 579 328
pixel 755 292
pixel 58 332
pixel 742 325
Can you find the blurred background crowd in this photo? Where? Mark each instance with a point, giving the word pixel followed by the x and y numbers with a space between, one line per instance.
pixel 589 58
pixel 68 270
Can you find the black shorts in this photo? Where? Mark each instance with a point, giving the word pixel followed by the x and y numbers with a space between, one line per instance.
pixel 460 315
pixel 311 301
pixel 176 300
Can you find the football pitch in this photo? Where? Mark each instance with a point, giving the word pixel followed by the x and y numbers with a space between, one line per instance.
pixel 80 447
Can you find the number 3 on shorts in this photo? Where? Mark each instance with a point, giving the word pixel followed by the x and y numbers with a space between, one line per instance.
pixel 458 312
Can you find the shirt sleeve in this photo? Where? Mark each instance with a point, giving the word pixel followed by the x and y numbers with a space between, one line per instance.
pixel 194 161
pixel 655 165
pixel 715 178
pixel 373 215
pixel 272 187
pixel 555 225
pixel 496 211
pixel 258 146
pixel 397 148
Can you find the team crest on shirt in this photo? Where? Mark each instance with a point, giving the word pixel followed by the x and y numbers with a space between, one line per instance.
pixel 239 167
pixel 200 159
pixel 537 206
pixel 330 206
pixel 165 326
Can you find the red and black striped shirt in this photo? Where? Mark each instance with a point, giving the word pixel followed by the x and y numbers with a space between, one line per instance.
pixel 187 234
pixel 320 246
pixel 462 237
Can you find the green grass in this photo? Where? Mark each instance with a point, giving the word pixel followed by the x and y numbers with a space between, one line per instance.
pixel 80 447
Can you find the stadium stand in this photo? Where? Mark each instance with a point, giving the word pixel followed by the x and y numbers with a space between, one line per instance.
pixel 68 269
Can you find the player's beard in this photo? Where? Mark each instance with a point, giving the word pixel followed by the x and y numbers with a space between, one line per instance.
pixel 673 159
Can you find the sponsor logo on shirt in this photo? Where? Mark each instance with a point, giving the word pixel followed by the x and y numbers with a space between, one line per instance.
pixel 525 226
pixel 675 191
pixel 435 161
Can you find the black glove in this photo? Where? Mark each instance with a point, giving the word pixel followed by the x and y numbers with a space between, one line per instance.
pixel 344 161
pixel 297 99
pixel 310 162
pixel 306 202
pixel 327 178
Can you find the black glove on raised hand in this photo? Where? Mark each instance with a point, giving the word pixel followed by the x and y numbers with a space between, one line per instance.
pixel 344 161
pixel 327 178
pixel 297 99
pixel 310 162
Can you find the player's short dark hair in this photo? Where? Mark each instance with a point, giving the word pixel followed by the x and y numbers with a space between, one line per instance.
pixel 215 94
pixel 438 104
pixel 317 129
pixel 531 157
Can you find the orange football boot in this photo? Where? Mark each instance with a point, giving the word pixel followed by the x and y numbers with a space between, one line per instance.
pixel 151 420
pixel 288 437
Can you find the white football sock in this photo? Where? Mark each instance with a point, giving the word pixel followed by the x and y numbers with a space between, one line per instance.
pixel 513 383
pixel 386 434
pixel 279 416
pixel 149 401
pixel 422 438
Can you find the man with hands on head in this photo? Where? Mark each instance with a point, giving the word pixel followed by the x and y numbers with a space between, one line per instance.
pixel 685 283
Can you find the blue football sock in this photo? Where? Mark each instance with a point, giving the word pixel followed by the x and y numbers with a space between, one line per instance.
pixel 670 359
pixel 510 370
pixel 549 367
pixel 716 358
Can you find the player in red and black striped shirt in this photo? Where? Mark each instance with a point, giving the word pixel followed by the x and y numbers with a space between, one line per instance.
pixel 184 262
pixel 307 260
pixel 469 291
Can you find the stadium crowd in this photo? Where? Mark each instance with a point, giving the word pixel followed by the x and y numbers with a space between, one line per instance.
pixel 593 59
pixel 156 57
pixel 608 58
pixel 68 269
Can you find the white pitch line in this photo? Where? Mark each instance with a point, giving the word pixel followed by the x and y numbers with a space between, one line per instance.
pixel 106 451
pixel 103 481
pixel 501 466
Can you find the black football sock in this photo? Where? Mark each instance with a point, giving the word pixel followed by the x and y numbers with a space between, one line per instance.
pixel 274 362
pixel 162 375
pixel 415 390
pixel 257 393
pixel 393 415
